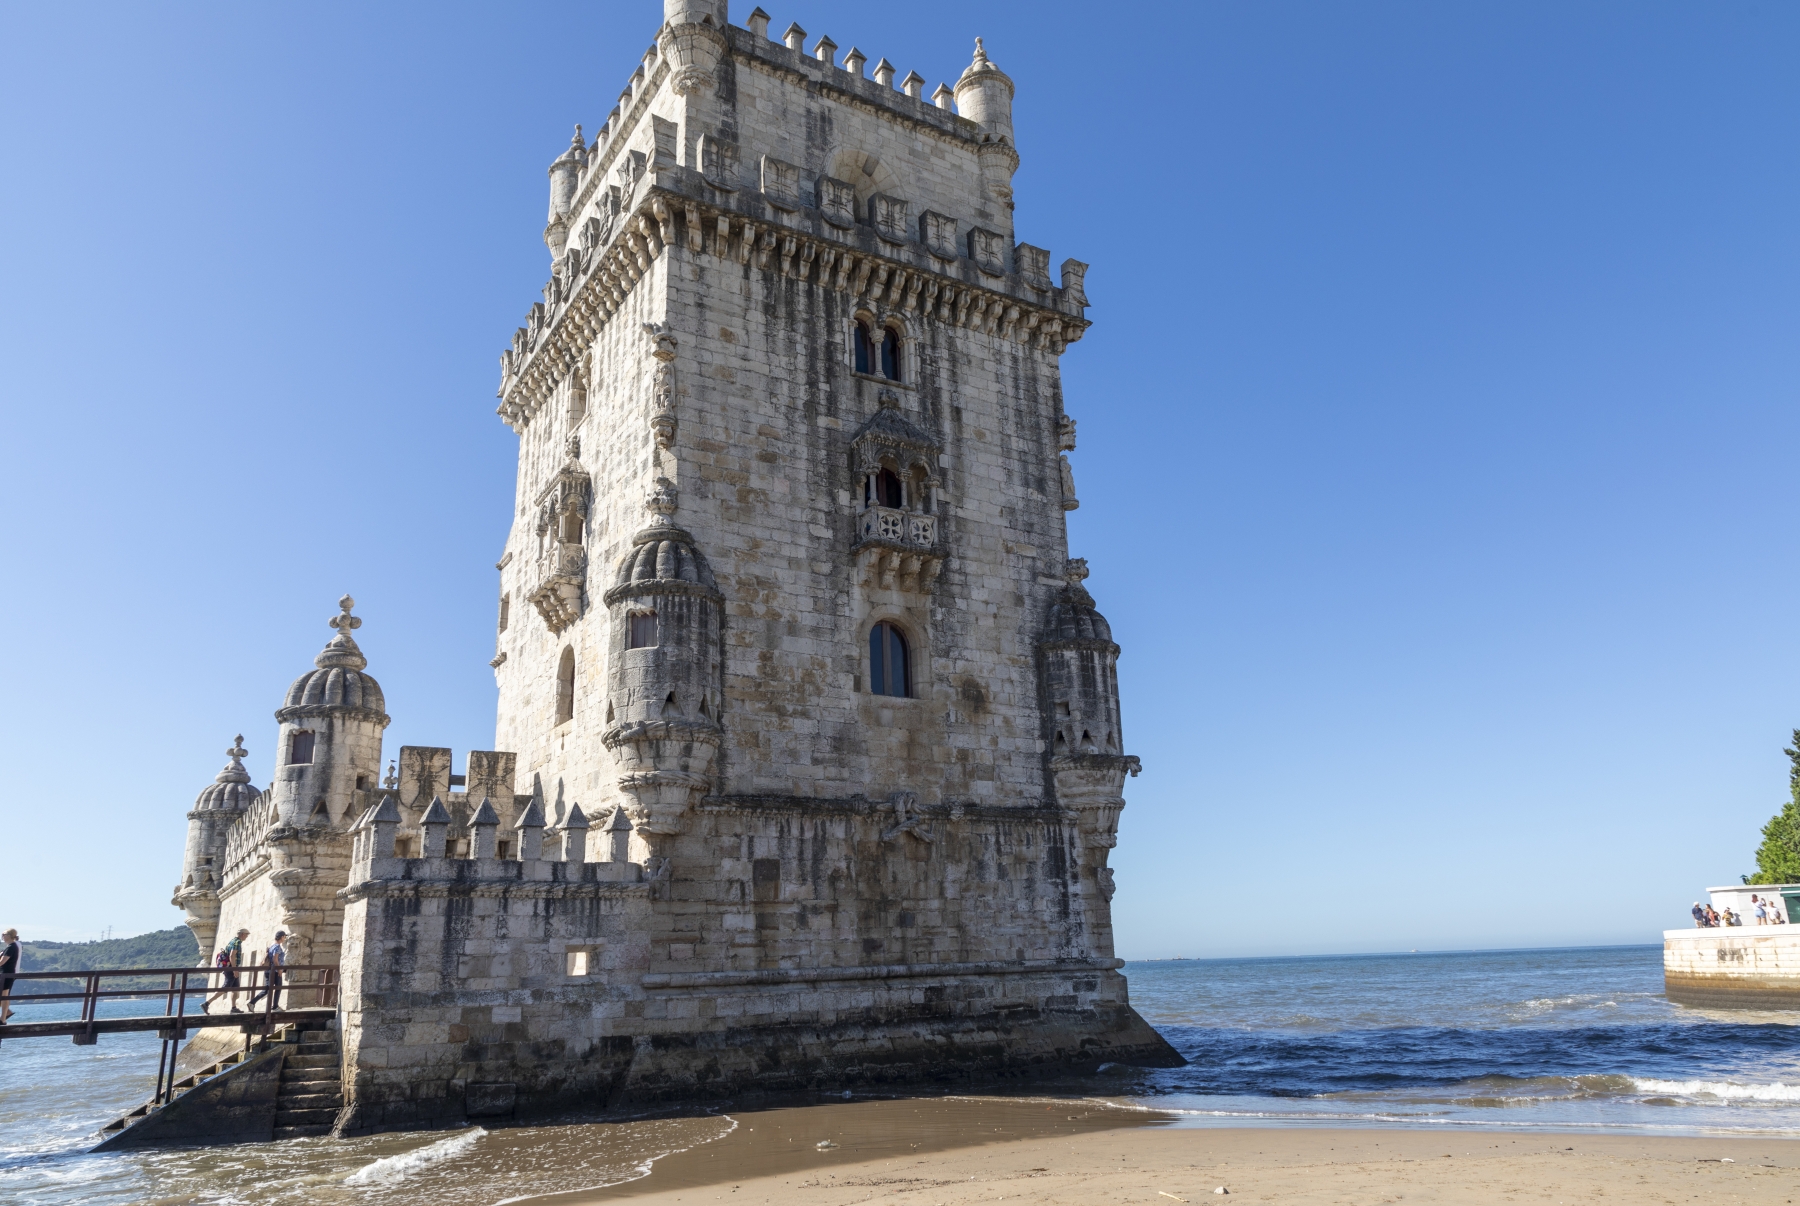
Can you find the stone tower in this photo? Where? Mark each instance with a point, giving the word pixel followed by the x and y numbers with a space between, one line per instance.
pixel 814 750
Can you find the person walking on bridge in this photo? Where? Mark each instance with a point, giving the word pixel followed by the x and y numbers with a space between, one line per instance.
pixel 228 960
pixel 10 955
pixel 275 961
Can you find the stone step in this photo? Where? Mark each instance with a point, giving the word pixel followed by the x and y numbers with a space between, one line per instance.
pixel 316 1049
pixel 310 1075
pixel 301 1132
pixel 319 1117
pixel 312 1061
pixel 308 1101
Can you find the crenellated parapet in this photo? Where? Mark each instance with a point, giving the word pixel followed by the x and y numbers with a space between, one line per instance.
pixel 649 183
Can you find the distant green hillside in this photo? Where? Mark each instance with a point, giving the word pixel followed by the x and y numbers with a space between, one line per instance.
pixel 163 948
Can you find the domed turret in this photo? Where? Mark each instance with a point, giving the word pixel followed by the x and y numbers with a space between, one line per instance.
pixel 984 95
pixel 665 673
pixel 215 810
pixel 1078 662
pixel 329 749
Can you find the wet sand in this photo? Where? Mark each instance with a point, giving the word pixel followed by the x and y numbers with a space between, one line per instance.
pixel 950 1151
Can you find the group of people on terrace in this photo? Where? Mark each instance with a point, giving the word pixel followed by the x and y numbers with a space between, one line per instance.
pixel 1765 910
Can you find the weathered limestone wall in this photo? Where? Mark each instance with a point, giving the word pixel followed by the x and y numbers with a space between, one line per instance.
pixel 1748 967
pixel 794 944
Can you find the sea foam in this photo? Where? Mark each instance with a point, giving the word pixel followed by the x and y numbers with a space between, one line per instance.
pixel 390 1170
pixel 1725 1090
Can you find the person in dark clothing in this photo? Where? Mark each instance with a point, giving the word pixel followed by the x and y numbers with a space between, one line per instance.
pixel 228 960
pixel 275 960
pixel 10 955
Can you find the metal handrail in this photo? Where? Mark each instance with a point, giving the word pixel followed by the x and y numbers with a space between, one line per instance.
pixel 175 995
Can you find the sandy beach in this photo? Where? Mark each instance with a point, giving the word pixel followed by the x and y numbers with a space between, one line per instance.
pixel 950 1151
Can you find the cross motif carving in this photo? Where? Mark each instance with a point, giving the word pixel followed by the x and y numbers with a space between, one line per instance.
pixel 346 623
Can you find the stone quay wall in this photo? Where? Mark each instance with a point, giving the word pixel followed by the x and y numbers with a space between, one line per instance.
pixel 1737 967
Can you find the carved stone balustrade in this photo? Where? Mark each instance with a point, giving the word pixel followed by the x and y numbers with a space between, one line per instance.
pixel 898 549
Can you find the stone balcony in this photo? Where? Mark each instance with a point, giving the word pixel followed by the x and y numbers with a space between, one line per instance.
pixel 897 549
pixel 557 594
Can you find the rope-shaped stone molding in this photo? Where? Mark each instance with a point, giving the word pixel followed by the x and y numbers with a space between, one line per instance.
pixel 589 287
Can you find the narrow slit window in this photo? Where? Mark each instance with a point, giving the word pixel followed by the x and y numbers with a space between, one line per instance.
pixel 890 669
pixel 565 687
pixel 643 630
pixel 300 747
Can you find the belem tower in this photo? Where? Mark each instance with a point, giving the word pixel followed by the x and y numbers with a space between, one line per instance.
pixel 812 748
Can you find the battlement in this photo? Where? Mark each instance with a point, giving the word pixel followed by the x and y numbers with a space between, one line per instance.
pixel 760 151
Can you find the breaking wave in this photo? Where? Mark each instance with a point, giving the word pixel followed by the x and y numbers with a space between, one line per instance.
pixel 391 1170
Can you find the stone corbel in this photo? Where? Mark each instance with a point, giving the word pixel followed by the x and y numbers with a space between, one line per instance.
pixel 693 228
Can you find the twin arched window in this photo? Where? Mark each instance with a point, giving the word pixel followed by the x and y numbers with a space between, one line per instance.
pixel 877 358
pixel 890 661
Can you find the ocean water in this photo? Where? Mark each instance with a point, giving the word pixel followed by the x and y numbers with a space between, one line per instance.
pixel 1567 1039
pixel 1563 1039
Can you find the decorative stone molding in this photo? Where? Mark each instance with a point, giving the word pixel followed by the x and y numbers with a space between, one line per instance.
pixel 888 216
pixel 589 287
pixel 837 202
pixel 781 183
pixel 938 233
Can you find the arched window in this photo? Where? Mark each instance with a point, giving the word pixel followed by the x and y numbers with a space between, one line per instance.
pixel 565 687
pixel 300 747
pixel 882 489
pixel 890 664
pixel 865 348
pixel 642 631
pixel 890 354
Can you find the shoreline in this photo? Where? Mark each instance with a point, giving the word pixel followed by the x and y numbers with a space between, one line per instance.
pixel 946 1151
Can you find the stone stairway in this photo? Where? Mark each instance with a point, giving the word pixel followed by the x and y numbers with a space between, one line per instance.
pixel 311 1085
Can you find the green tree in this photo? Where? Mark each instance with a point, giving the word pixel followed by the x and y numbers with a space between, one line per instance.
pixel 1778 858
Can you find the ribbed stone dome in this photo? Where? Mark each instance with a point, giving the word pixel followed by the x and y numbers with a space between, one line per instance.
pixel 1073 616
pixel 339 682
pixel 1074 619
pixel 231 791
pixel 663 553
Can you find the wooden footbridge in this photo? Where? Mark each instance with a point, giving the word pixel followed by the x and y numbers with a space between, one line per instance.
pixel 309 989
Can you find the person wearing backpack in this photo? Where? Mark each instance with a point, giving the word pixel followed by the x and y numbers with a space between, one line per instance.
pixel 228 960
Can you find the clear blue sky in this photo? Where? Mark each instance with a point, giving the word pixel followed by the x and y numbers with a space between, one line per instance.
pixel 1438 426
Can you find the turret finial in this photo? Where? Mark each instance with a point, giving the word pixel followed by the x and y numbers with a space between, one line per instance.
pixel 237 750
pixel 980 54
pixel 345 623
pixel 578 141
pixel 393 778
pixel 341 651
